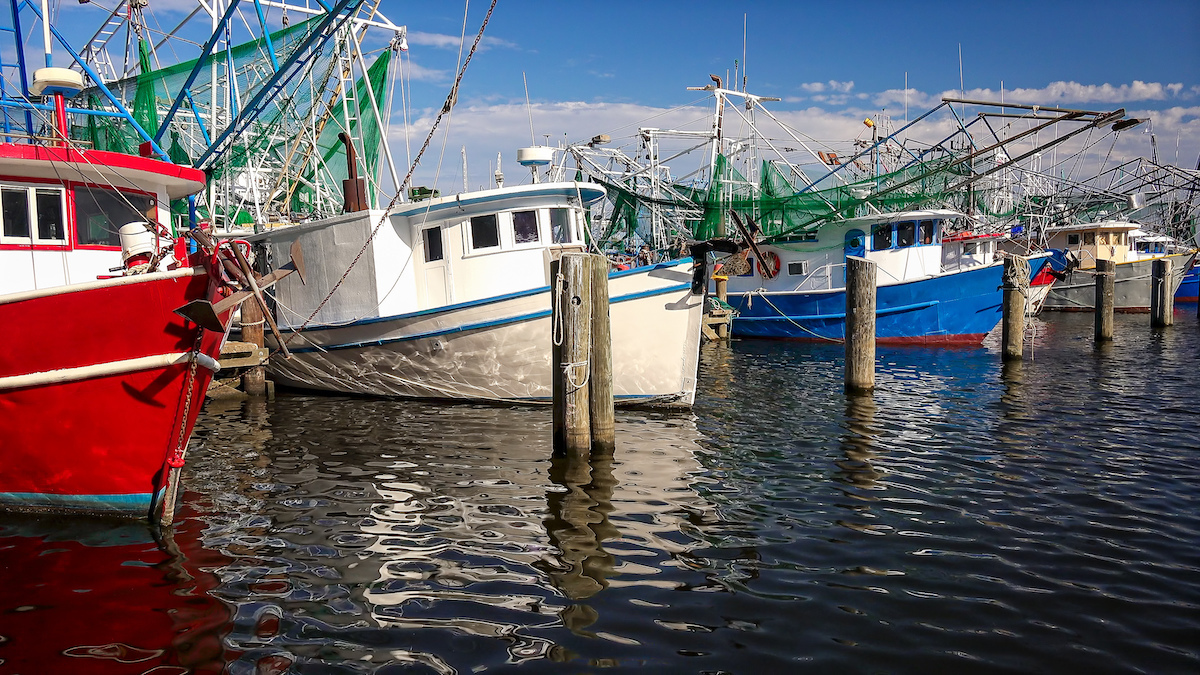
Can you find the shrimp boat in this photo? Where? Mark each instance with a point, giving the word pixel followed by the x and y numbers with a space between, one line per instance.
pixel 451 299
pixel 114 314
pixel 100 379
pixel 1080 246
pixel 934 287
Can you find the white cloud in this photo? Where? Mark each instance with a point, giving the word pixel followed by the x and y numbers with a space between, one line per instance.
pixel 442 41
pixel 830 86
pixel 1074 92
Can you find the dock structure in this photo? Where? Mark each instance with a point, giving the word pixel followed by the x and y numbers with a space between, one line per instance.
pixel 860 324
pixel 581 366
pixel 718 318
pixel 1016 270
pixel 1162 299
pixel 1106 272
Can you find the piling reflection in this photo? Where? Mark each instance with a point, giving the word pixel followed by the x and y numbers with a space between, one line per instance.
pixel 858 443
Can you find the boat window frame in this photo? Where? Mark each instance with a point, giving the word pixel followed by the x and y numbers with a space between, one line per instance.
pixel 569 224
pixel 441 244
pixel 470 231
pixel 877 230
pixel 1089 238
pixel 150 197
pixel 537 228
pixel 1072 239
pixel 933 231
pixel 802 268
pixel 911 226
pixel 34 238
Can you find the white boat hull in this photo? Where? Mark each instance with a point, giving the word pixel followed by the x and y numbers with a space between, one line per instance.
pixel 498 349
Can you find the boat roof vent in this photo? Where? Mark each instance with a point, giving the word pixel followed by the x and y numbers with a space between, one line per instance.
pixel 538 155
pixel 48 81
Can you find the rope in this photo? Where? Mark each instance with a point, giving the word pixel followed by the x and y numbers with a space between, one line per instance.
pixel 760 292
pixel 559 329
pixel 587 374
pixel 450 100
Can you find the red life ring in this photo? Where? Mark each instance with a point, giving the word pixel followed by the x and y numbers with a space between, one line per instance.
pixel 773 261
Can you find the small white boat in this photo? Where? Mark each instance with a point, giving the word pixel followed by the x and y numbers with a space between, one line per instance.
pixel 451 299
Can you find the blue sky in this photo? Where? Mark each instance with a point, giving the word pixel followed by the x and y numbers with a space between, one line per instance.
pixel 609 67
pixel 597 67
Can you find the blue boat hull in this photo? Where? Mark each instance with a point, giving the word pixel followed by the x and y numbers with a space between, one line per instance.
pixel 957 308
pixel 1189 289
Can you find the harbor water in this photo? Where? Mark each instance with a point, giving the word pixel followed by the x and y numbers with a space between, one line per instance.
pixel 966 517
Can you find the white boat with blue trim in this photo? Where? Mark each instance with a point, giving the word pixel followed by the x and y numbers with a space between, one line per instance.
pixel 451 299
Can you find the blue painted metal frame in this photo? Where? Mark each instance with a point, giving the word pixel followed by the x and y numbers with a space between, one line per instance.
pixel 278 81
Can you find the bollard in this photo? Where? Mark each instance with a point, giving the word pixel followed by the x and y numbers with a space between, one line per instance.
pixel 1162 300
pixel 1106 271
pixel 571 333
pixel 860 324
pixel 254 380
pixel 600 382
pixel 1013 328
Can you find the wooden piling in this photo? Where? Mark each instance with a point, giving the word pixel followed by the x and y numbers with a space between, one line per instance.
pixel 1013 327
pixel 1162 301
pixel 571 326
pixel 722 295
pixel 860 324
pixel 254 379
pixel 600 382
pixel 1106 271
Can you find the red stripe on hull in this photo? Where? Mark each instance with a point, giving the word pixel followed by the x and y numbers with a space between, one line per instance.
pixel 108 435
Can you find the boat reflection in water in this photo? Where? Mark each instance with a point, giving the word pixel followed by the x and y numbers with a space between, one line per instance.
pixel 395 532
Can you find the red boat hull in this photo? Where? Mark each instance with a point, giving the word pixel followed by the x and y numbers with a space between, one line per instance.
pixel 99 442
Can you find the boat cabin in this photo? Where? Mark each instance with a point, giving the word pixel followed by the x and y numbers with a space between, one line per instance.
pixel 1089 242
pixel 905 245
pixel 435 252
pixel 61 210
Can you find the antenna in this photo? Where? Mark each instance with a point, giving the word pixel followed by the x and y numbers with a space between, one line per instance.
pixel 962 92
pixel 744 21
pixel 529 109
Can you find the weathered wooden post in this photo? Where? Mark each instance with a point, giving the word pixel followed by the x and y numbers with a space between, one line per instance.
pixel 1013 328
pixel 860 324
pixel 722 295
pixel 1106 271
pixel 254 379
pixel 600 381
pixel 571 319
pixel 1162 301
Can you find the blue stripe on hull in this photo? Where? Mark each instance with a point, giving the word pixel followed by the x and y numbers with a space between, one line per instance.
pixel 136 505
pixel 940 308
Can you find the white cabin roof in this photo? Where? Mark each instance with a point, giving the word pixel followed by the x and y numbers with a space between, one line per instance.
pixel 467 204
pixel 895 216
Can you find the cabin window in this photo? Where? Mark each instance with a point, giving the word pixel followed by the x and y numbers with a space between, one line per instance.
pixel 50 214
pixel 1089 238
pixel 970 247
pixel 927 231
pixel 33 214
pixel 100 213
pixel 525 227
pixel 433 243
pixel 906 233
pixel 14 205
pixel 560 225
pixel 1103 237
pixel 484 232
pixel 798 268
pixel 1072 240
pixel 881 237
